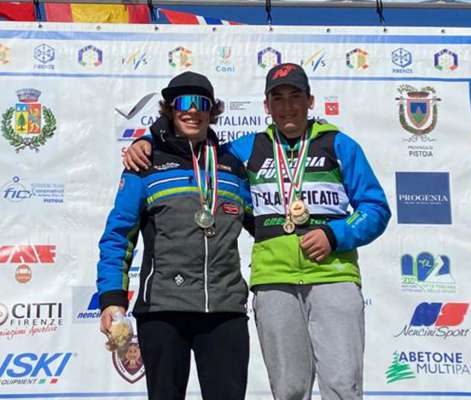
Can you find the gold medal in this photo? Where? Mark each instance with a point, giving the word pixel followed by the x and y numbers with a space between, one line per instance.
pixel 298 212
pixel 289 227
pixel 204 219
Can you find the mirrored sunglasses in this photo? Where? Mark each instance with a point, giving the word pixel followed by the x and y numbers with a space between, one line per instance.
pixel 184 103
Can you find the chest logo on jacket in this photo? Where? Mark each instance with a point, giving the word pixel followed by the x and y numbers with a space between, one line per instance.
pixel 267 170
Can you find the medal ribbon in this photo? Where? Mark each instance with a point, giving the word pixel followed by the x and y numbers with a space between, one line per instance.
pixel 282 167
pixel 207 186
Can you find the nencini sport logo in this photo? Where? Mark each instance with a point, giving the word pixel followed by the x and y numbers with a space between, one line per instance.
pixel 414 364
pixel 28 124
pixel 438 320
pixel 418 109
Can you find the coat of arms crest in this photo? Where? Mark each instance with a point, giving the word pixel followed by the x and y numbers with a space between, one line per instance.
pixel 28 124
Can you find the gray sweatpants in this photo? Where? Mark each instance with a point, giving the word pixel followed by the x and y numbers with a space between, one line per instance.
pixel 309 329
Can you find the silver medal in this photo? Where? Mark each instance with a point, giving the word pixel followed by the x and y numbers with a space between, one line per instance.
pixel 204 219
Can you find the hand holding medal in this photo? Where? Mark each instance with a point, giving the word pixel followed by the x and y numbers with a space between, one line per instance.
pixel 120 332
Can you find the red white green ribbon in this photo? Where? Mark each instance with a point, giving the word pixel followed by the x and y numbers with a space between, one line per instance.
pixel 207 185
pixel 295 174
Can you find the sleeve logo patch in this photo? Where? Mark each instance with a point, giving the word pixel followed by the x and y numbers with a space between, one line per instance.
pixel 229 208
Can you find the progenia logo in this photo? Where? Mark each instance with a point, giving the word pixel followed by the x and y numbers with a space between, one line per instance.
pixel 437 320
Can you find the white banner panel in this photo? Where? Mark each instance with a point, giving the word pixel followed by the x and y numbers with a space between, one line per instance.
pixel 404 94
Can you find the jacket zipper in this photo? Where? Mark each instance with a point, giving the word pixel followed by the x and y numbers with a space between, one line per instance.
pixel 206 297
pixel 147 281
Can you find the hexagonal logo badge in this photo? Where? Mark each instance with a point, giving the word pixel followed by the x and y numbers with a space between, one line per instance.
pixel 357 59
pixel 90 56
pixel 44 53
pixel 401 57
pixel 445 60
pixel 268 58
pixel 180 58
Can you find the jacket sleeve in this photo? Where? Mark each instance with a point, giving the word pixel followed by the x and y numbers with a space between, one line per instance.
pixel 249 220
pixel 242 149
pixel 119 240
pixel 371 212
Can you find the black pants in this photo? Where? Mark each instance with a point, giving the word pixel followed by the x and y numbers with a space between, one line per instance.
pixel 220 342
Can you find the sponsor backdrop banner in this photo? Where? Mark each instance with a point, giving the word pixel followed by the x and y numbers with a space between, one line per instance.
pixel 404 94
